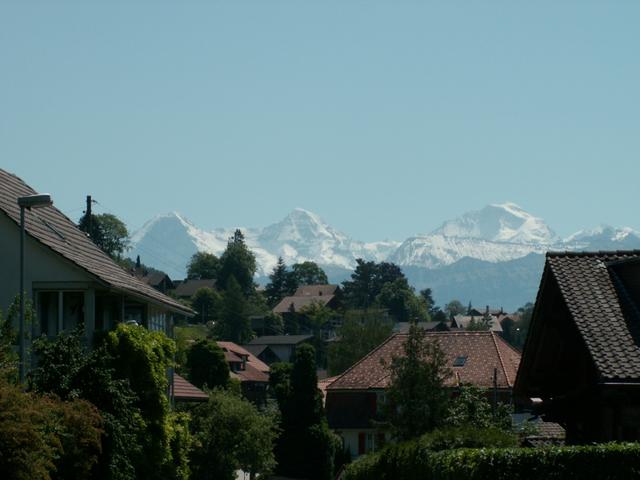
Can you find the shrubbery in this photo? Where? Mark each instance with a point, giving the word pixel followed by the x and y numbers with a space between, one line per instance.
pixel 413 460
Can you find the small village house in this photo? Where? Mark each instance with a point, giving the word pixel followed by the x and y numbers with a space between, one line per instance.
pixel 276 348
pixel 581 361
pixel 69 279
pixel 354 399
pixel 252 372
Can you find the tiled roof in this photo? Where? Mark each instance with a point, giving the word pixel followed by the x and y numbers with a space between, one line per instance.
pixel 315 290
pixel 53 229
pixel 188 287
pixel 324 383
pixel 255 369
pixel 484 352
pixel 297 303
pixel 602 308
pixel 280 339
pixel 183 390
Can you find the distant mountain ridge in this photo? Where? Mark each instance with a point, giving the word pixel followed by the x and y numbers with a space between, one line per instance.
pixel 478 254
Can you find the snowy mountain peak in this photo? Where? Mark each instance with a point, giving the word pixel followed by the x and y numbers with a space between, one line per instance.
pixel 506 222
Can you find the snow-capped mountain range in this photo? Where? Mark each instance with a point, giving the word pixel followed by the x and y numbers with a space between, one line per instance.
pixel 495 234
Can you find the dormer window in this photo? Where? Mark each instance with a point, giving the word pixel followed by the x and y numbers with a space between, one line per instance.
pixel 460 361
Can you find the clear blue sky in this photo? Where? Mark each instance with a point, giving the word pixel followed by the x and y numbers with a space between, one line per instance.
pixel 384 117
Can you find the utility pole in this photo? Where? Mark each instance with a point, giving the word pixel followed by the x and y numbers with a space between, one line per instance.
pixel 88 212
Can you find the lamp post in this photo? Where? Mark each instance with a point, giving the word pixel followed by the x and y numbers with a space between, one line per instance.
pixel 29 201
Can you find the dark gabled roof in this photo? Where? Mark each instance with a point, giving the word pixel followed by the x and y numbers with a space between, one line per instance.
pixel 484 352
pixel 295 304
pixel 280 339
pixel 154 278
pixel 315 290
pixel 189 287
pixel 53 229
pixel 595 297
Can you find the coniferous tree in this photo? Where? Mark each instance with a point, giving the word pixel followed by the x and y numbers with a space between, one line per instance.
pixel 234 324
pixel 306 447
pixel 279 285
pixel 239 262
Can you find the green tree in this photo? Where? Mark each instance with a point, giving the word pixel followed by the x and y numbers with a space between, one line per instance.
pixel 360 332
pixel 108 232
pixel 234 324
pixel 67 370
pixel 472 408
pixel 307 273
pixel 231 434
pixel 454 307
pixel 367 282
pixel 207 302
pixel 142 358
pixel 279 285
pixel 203 265
pixel 481 324
pixel 238 262
pixel 401 301
pixel 207 365
pixel 416 400
pixel 8 355
pixel 306 447
pixel 314 318
pixel 42 437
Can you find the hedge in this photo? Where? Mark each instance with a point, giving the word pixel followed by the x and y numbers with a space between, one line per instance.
pixel 412 460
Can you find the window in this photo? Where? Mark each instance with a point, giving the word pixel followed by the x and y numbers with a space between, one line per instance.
pixel 460 361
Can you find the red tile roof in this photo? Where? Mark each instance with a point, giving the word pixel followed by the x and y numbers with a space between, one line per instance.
pixel 485 351
pixel 255 369
pixel 53 229
pixel 185 391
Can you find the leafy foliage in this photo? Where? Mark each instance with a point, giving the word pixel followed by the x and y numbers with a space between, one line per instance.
pixel 45 438
pixel 207 365
pixel 455 307
pixel 8 356
pixel 108 232
pixel 471 407
pixel 367 281
pixel 207 302
pixel 203 265
pixel 307 273
pixel 416 400
pixel 67 370
pixel 360 332
pixel 279 285
pixel 230 434
pixel 515 332
pixel 414 460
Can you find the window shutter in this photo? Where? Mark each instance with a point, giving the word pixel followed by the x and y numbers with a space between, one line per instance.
pixel 361 443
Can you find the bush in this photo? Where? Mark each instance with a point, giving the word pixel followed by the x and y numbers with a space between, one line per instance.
pixel 448 438
pixel 412 461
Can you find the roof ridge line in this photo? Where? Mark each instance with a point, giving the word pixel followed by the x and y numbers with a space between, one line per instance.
pixel 495 343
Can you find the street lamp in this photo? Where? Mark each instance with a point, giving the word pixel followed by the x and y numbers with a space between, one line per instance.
pixel 29 201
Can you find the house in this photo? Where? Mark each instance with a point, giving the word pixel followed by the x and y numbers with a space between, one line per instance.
pixel 69 279
pixel 187 288
pixel 252 372
pixel 462 322
pixel 581 360
pixel 354 400
pixel 326 295
pixel 156 279
pixel 183 391
pixel 403 327
pixel 280 346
